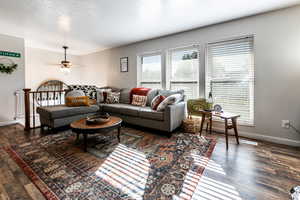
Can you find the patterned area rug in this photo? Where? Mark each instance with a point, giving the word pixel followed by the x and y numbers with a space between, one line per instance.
pixel 142 166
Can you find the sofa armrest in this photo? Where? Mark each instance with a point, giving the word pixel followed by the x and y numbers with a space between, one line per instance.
pixel 175 114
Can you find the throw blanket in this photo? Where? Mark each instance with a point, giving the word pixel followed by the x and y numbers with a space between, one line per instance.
pixel 139 91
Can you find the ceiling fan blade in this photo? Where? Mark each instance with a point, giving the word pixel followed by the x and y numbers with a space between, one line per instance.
pixel 73 65
pixel 77 66
pixel 55 64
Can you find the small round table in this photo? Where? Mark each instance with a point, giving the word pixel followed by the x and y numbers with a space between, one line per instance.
pixel 81 127
pixel 224 115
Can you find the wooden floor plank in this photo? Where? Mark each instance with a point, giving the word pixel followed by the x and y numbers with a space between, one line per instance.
pixel 12 187
pixel 3 193
pixel 253 169
pixel 34 193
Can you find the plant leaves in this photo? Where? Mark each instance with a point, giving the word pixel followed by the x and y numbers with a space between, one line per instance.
pixel 8 69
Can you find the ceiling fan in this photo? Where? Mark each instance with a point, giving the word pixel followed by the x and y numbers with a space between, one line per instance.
pixel 65 64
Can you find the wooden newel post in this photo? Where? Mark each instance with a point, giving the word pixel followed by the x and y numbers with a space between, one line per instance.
pixel 27 108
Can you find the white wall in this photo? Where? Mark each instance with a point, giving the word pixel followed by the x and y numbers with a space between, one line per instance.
pixel 96 68
pixel 277 66
pixel 42 65
pixel 9 83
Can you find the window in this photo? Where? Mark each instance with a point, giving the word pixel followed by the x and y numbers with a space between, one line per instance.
pixel 150 74
pixel 230 76
pixel 184 71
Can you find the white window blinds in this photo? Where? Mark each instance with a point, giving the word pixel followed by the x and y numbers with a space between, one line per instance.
pixel 151 71
pixel 230 77
pixel 184 71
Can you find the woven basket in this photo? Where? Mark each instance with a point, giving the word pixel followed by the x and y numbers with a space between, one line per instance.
pixel 191 125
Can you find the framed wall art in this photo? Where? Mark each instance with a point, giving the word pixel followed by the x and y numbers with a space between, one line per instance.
pixel 124 64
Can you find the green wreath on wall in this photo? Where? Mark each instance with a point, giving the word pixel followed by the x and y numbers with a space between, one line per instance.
pixel 8 67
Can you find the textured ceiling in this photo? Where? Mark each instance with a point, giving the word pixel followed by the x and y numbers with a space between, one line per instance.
pixel 91 25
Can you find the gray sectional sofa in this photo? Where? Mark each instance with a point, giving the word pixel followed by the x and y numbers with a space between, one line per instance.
pixel 167 120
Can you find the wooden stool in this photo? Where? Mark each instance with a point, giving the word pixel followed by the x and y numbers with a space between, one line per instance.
pixel 226 117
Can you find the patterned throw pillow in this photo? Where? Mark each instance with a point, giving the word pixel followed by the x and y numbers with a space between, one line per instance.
pixel 156 101
pixel 89 90
pixel 75 93
pixel 139 100
pixel 112 97
pixel 172 99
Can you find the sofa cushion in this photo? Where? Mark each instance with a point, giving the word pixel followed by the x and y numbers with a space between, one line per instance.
pixel 65 111
pixel 124 109
pixel 111 108
pixel 127 109
pixel 125 96
pixel 148 113
pixel 150 96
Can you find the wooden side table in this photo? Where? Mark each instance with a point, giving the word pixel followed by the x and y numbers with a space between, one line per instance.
pixel 224 115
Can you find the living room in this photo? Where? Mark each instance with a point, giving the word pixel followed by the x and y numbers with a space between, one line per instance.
pixel 150 79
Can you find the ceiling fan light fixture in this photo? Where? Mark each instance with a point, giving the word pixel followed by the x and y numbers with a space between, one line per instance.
pixel 65 64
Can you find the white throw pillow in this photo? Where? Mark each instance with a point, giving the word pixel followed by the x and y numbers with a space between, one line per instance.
pixel 100 96
pixel 178 98
pixel 172 99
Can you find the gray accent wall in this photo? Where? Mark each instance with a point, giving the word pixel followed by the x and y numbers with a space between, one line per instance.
pixel 9 83
pixel 277 66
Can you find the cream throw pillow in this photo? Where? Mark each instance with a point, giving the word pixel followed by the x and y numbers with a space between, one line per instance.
pixel 139 100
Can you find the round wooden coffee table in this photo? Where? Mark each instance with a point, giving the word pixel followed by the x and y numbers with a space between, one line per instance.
pixel 80 127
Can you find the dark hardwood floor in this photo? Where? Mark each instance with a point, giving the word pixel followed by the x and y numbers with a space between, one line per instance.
pixel 251 170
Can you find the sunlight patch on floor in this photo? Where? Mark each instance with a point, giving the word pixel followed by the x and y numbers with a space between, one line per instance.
pixel 242 141
pixel 202 187
pixel 209 188
pixel 126 169
pixel 208 164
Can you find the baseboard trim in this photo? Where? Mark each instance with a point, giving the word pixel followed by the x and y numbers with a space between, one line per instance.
pixel 267 138
pixel 9 122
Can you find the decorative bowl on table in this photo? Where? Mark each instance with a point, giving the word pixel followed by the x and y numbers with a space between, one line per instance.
pixel 98 118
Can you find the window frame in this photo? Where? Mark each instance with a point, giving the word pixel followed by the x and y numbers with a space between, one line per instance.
pixel 252 86
pixel 169 65
pixel 140 67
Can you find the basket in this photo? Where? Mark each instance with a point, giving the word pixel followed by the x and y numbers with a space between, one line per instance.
pixel 191 125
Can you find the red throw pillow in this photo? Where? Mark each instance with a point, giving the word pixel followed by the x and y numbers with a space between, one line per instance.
pixel 139 91
pixel 156 101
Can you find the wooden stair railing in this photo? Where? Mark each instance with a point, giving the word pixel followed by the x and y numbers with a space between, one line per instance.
pixel 34 99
